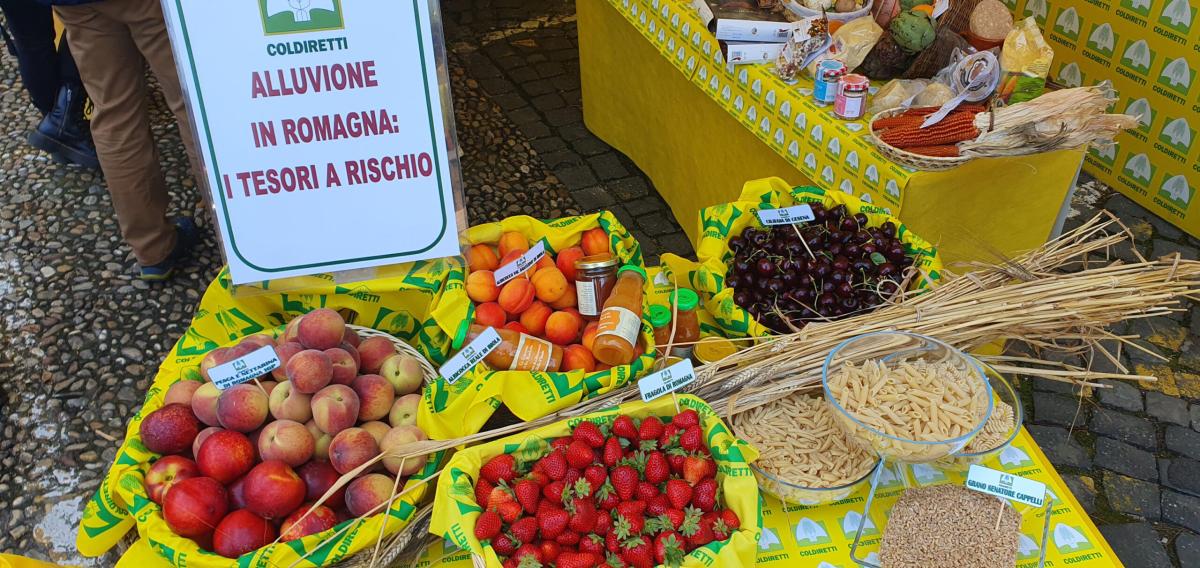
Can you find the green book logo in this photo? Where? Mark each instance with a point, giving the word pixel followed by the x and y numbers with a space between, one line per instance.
pixel 299 16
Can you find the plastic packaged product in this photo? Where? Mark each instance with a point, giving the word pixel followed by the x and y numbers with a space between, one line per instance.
pixel 660 320
pixel 595 277
pixel 520 352
pixel 1026 59
pixel 851 100
pixel 621 319
pixel 851 43
pixel 687 323
pixel 934 94
pixel 896 93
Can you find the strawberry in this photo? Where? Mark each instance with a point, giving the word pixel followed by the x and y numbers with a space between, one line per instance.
pixel 578 560
pixel 553 491
pixel 692 439
pixel 525 529
pixel 509 511
pixel 704 495
pixel 552 520
pixel 528 495
pixel 624 480
pixel 630 519
pixel 538 477
pixel 686 418
pixel 595 475
pixel 583 517
pixel 730 519
pixel 646 491
pixel 504 545
pixel 668 548
pixel 703 535
pixel 500 495
pixel 592 543
pixel 612 543
pixel 676 457
pixel 483 490
pixel 721 531
pixel 567 538
pixel 657 468
pixel 650 429
pixel 603 523
pixel 606 496
pixel 675 517
pixel 657 505
pixel 572 476
pixel 554 464
pixel 511 563
pixel 580 454
pixel 614 561
pixel 550 550
pixel 624 427
pixel 679 493
pixel 560 443
pixel 612 452
pixel 691 521
pixel 637 552
pixel 589 433
pixel 528 551
pixel 670 436
pixel 503 466
pixel 487 525
pixel 696 468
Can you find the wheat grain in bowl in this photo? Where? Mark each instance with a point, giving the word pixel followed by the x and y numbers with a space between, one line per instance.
pixel 804 457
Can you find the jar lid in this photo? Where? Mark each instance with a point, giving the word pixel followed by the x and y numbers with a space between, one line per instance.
pixel 854 88
pixel 602 260
pixel 659 315
pixel 687 299
pixel 827 73
pixel 631 268
pixel 712 349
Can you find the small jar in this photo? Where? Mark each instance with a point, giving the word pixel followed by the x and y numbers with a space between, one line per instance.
pixel 687 323
pixel 825 84
pixel 851 100
pixel 713 349
pixel 595 277
pixel 660 320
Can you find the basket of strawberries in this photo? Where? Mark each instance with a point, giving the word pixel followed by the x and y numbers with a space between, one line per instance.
pixel 642 484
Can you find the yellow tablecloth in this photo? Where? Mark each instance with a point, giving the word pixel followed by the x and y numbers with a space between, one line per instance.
pixel 821 536
pixel 655 87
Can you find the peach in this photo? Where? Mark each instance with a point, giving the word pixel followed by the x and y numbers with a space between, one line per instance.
pixel 225 456
pixel 321 447
pixel 549 284
pixel 568 299
pixel 291 330
pixel 287 441
pixel 563 327
pixel 512 241
pixel 241 532
pixel 273 490
pixel 516 296
pixel 335 408
pixel 309 371
pixel 353 351
pixel 242 407
pixel 397 438
pixel 589 334
pixel 286 403
pixel 578 357
pixel 170 429
pixel 321 329
pixel 512 257
pixel 344 366
pixel 481 286
pixel 204 403
pixel 202 436
pixel 212 359
pixel 257 340
pixel 534 318
pixel 237 495
pixel 566 261
pixel 181 392
pixel 373 351
pixel 302 523
pixel 377 429
pixel 490 314
pixel 595 241
pixel 375 396
pixel 404 372
pixel 351 448
pixel 193 507
pixel 368 494
pixel 517 327
pixel 481 257
pixel 319 477
pixel 351 337
pixel 267 386
pixel 284 353
pixel 404 410
pixel 166 472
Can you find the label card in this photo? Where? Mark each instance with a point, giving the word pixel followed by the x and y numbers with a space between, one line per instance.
pixel 521 264
pixel 667 380
pixel 251 366
pixel 785 215
pixel 469 356
pixel 1006 485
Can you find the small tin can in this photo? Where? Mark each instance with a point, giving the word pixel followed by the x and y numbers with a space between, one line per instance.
pixel 850 103
pixel 826 81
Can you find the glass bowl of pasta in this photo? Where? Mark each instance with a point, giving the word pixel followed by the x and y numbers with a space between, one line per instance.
pixel 1000 430
pixel 907 397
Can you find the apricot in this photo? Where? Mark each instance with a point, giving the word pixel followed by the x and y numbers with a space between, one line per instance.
pixel 577 356
pixel 512 241
pixel 589 334
pixel 546 261
pixel 549 284
pixel 490 314
pixel 563 327
pixel 481 286
pixel 595 241
pixel 568 299
pixel 512 257
pixel 482 257
pixel 566 261
pixel 516 296
pixel 517 327
pixel 534 319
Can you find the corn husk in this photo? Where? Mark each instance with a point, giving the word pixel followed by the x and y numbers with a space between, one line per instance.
pixel 1067 118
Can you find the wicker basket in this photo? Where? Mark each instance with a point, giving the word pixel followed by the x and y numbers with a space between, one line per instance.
pixel 909 159
pixel 426 369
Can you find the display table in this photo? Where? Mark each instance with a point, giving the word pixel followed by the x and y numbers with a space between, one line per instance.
pixel 821 536
pixel 655 87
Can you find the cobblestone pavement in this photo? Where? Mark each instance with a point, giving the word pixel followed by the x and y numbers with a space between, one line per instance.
pixel 81 339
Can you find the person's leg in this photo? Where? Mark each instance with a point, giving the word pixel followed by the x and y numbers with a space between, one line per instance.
pixel 112 70
pixel 32 28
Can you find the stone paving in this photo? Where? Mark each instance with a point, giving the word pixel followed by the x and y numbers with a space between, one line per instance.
pixel 81 339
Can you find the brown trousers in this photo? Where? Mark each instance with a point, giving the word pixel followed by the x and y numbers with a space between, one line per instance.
pixel 111 40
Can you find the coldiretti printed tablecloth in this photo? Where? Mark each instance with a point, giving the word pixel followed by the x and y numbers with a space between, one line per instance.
pixel 1150 50
pixel 820 537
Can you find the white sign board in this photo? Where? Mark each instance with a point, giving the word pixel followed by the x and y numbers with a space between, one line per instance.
pixel 322 130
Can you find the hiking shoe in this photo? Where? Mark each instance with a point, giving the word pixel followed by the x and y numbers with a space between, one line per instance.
pixel 186 237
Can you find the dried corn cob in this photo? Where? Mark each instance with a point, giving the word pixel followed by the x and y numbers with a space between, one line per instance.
pixel 897 121
pixel 956 127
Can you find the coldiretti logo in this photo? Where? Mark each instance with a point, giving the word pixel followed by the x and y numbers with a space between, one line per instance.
pixel 1106 153
pixel 297 16
pixel 1177 75
pixel 1175 190
pixel 1177 134
pixel 1067 23
pixel 1068 539
pixel 1143 111
pixel 810 532
pixel 1136 59
pixel 1070 75
pixel 1140 7
pixel 1037 9
pixel 1139 169
pixel 1102 42
pixel 1178 16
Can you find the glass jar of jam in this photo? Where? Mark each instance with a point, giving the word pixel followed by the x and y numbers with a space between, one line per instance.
pixel 687 323
pixel 595 277
pixel 660 320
